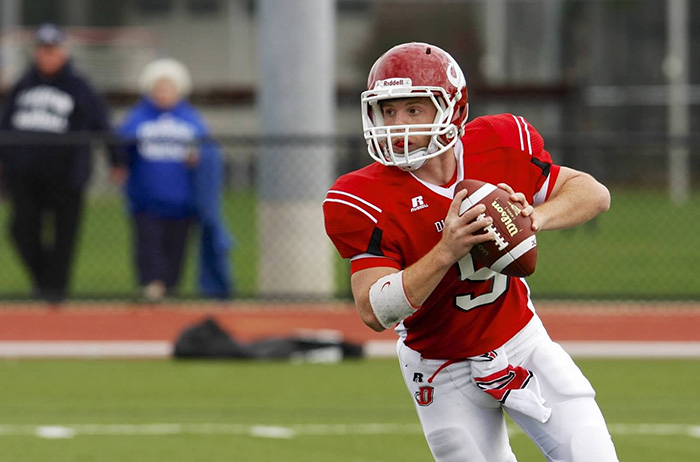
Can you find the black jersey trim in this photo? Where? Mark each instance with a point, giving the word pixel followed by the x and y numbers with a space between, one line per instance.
pixel 374 247
pixel 544 166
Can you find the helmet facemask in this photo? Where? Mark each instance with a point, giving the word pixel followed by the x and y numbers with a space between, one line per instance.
pixel 380 137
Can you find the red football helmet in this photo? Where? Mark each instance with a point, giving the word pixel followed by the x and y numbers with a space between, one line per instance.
pixel 407 71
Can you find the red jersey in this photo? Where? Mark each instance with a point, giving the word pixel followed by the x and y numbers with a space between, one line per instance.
pixel 382 216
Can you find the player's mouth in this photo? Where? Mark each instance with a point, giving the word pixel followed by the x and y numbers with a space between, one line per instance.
pixel 400 146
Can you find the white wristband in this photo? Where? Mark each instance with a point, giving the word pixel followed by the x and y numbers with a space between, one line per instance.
pixel 389 301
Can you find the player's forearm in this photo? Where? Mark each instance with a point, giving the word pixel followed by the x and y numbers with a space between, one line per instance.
pixel 421 278
pixel 361 282
pixel 579 199
pixel 460 234
pixel 419 281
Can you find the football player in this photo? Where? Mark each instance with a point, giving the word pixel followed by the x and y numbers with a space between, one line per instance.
pixel 470 345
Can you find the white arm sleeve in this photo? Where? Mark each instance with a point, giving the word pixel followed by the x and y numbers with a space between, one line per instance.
pixel 389 301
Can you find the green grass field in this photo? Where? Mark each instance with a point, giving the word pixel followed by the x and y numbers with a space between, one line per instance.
pixel 104 263
pixel 356 411
pixel 638 250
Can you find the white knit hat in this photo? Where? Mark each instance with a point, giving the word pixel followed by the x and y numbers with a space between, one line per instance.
pixel 170 69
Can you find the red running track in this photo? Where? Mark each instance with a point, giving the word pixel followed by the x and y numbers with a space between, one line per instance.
pixel 649 322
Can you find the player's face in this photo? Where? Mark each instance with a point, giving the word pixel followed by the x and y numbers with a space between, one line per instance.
pixel 409 111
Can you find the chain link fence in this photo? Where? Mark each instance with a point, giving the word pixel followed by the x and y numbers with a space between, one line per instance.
pixel 611 85
pixel 644 248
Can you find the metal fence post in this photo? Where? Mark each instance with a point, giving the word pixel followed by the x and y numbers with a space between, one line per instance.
pixel 677 70
pixel 296 99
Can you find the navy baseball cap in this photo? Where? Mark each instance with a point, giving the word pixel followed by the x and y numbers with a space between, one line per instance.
pixel 49 34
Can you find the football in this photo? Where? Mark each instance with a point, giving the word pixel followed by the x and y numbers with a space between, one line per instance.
pixel 514 250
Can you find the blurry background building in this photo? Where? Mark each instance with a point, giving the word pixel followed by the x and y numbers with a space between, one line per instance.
pixel 613 86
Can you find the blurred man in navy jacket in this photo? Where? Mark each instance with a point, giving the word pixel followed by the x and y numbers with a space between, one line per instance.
pixel 54 109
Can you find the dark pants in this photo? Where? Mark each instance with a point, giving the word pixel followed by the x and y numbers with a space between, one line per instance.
pixel 46 216
pixel 160 248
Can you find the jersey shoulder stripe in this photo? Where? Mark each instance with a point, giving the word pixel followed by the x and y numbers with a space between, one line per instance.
pixel 504 131
pixel 370 210
pixel 350 204
pixel 357 198
pixel 354 210
pixel 523 127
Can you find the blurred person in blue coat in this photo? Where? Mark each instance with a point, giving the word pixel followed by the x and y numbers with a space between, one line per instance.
pixel 175 178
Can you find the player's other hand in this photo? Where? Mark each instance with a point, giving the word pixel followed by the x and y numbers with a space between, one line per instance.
pixel 527 209
pixel 462 232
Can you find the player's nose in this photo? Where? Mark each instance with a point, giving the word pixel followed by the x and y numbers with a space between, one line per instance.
pixel 402 118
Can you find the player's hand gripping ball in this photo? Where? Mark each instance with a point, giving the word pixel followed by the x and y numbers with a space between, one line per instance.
pixel 513 252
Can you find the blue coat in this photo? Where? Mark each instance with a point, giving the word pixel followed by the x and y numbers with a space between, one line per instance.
pixel 215 274
pixel 162 183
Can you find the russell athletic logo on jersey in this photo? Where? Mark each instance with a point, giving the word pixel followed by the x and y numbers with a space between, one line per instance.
pixel 417 203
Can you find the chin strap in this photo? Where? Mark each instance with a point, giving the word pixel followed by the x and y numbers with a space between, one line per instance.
pixel 431 149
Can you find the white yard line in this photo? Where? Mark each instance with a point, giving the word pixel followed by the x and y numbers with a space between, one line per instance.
pixel 289 431
pixel 583 349
pixel 621 349
pixel 373 349
pixel 86 349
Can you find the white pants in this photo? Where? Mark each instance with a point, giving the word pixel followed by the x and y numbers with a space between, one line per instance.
pixel 463 423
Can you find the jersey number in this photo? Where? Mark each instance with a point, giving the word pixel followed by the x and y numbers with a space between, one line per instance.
pixel 468 272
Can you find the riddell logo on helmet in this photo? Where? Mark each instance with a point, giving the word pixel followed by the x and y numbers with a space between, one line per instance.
pixel 393 83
